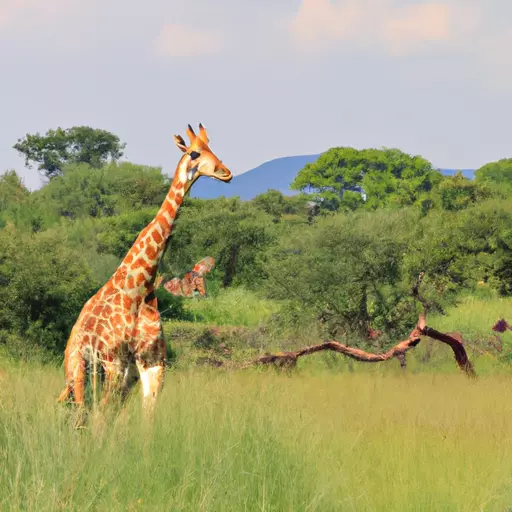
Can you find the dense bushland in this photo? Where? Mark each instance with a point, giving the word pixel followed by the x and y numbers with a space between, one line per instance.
pixel 334 260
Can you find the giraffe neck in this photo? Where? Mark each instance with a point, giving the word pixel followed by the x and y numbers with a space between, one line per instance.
pixel 136 273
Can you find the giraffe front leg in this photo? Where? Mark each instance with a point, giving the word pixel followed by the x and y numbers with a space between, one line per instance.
pixel 151 378
pixel 116 379
pixel 150 352
pixel 110 377
pixel 151 366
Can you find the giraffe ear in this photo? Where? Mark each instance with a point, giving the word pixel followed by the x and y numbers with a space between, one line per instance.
pixel 178 139
pixel 203 135
pixel 190 134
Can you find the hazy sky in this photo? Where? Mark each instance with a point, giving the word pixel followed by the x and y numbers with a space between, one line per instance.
pixel 268 78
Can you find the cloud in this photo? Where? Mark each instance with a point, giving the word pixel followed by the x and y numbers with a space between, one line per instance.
pixel 421 22
pixel 27 14
pixel 176 40
pixel 379 24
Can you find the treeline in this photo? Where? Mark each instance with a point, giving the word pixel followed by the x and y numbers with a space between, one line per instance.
pixel 342 253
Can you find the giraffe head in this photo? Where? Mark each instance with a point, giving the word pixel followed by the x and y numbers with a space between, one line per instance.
pixel 203 162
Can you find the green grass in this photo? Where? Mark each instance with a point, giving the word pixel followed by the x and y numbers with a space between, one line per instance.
pixel 328 437
pixel 232 306
pixel 258 441
pixel 475 317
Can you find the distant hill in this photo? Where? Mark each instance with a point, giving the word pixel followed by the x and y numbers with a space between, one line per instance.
pixel 277 174
pixel 468 173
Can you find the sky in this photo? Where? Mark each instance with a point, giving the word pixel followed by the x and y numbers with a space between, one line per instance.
pixel 267 78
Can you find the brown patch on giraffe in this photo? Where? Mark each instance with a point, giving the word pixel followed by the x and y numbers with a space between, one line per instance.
pixel 90 324
pixel 107 311
pixel 140 279
pixel 143 233
pixel 127 302
pixel 157 237
pixel 128 318
pixel 117 299
pixel 162 223
pixel 128 258
pixel 142 243
pixel 151 330
pixel 141 263
pixel 117 318
pixel 120 277
pixel 130 283
pixel 100 327
pixel 151 252
pixel 97 310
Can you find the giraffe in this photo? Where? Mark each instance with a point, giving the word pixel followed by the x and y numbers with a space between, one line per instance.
pixel 193 281
pixel 121 322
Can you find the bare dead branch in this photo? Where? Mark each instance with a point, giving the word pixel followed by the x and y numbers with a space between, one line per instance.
pixel 453 340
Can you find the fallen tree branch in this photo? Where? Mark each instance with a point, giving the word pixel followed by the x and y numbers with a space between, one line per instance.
pixel 454 340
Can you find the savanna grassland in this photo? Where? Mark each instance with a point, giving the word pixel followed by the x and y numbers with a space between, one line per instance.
pixel 327 437
pixel 331 434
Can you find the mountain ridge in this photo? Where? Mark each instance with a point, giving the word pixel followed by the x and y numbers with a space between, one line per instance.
pixel 277 174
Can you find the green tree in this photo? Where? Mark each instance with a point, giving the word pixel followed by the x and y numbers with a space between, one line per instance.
pixel 349 179
pixel 233 232
pixel 346 271
pixel 43 285
pixel 81 191
pixel 497 175
pixel 458 192
pixel 271 202
pixel 460 248
pixel 13 196
pixel 79 144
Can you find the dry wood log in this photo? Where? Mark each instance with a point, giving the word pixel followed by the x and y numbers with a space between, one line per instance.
pixel 454 340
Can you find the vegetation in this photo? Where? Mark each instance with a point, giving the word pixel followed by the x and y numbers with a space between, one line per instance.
pixel 80 144
pixel 230 442
pixel 335 261
pixel 332 271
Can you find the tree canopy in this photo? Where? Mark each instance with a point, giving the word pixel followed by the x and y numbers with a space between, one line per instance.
pixel 79 144
pixel 347 179
pixel 497 173
pixel 390 216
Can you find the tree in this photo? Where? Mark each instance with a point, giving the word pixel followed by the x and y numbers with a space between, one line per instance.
pixel 498 174
pixel 79 144
pixel 44 283
pixel 271 202
pixel 349 179
pixel 12 190
pixel 14 199
pixel 458 192
pixel 234 232
pixel 345 271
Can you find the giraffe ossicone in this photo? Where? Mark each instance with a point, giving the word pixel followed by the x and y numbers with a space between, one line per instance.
pixel 121 322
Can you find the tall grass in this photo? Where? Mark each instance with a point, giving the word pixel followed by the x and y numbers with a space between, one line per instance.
pixel 475 317
pixel 261 441
pixel 233 306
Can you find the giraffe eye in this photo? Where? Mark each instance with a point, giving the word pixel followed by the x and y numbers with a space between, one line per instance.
pixel 194 155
